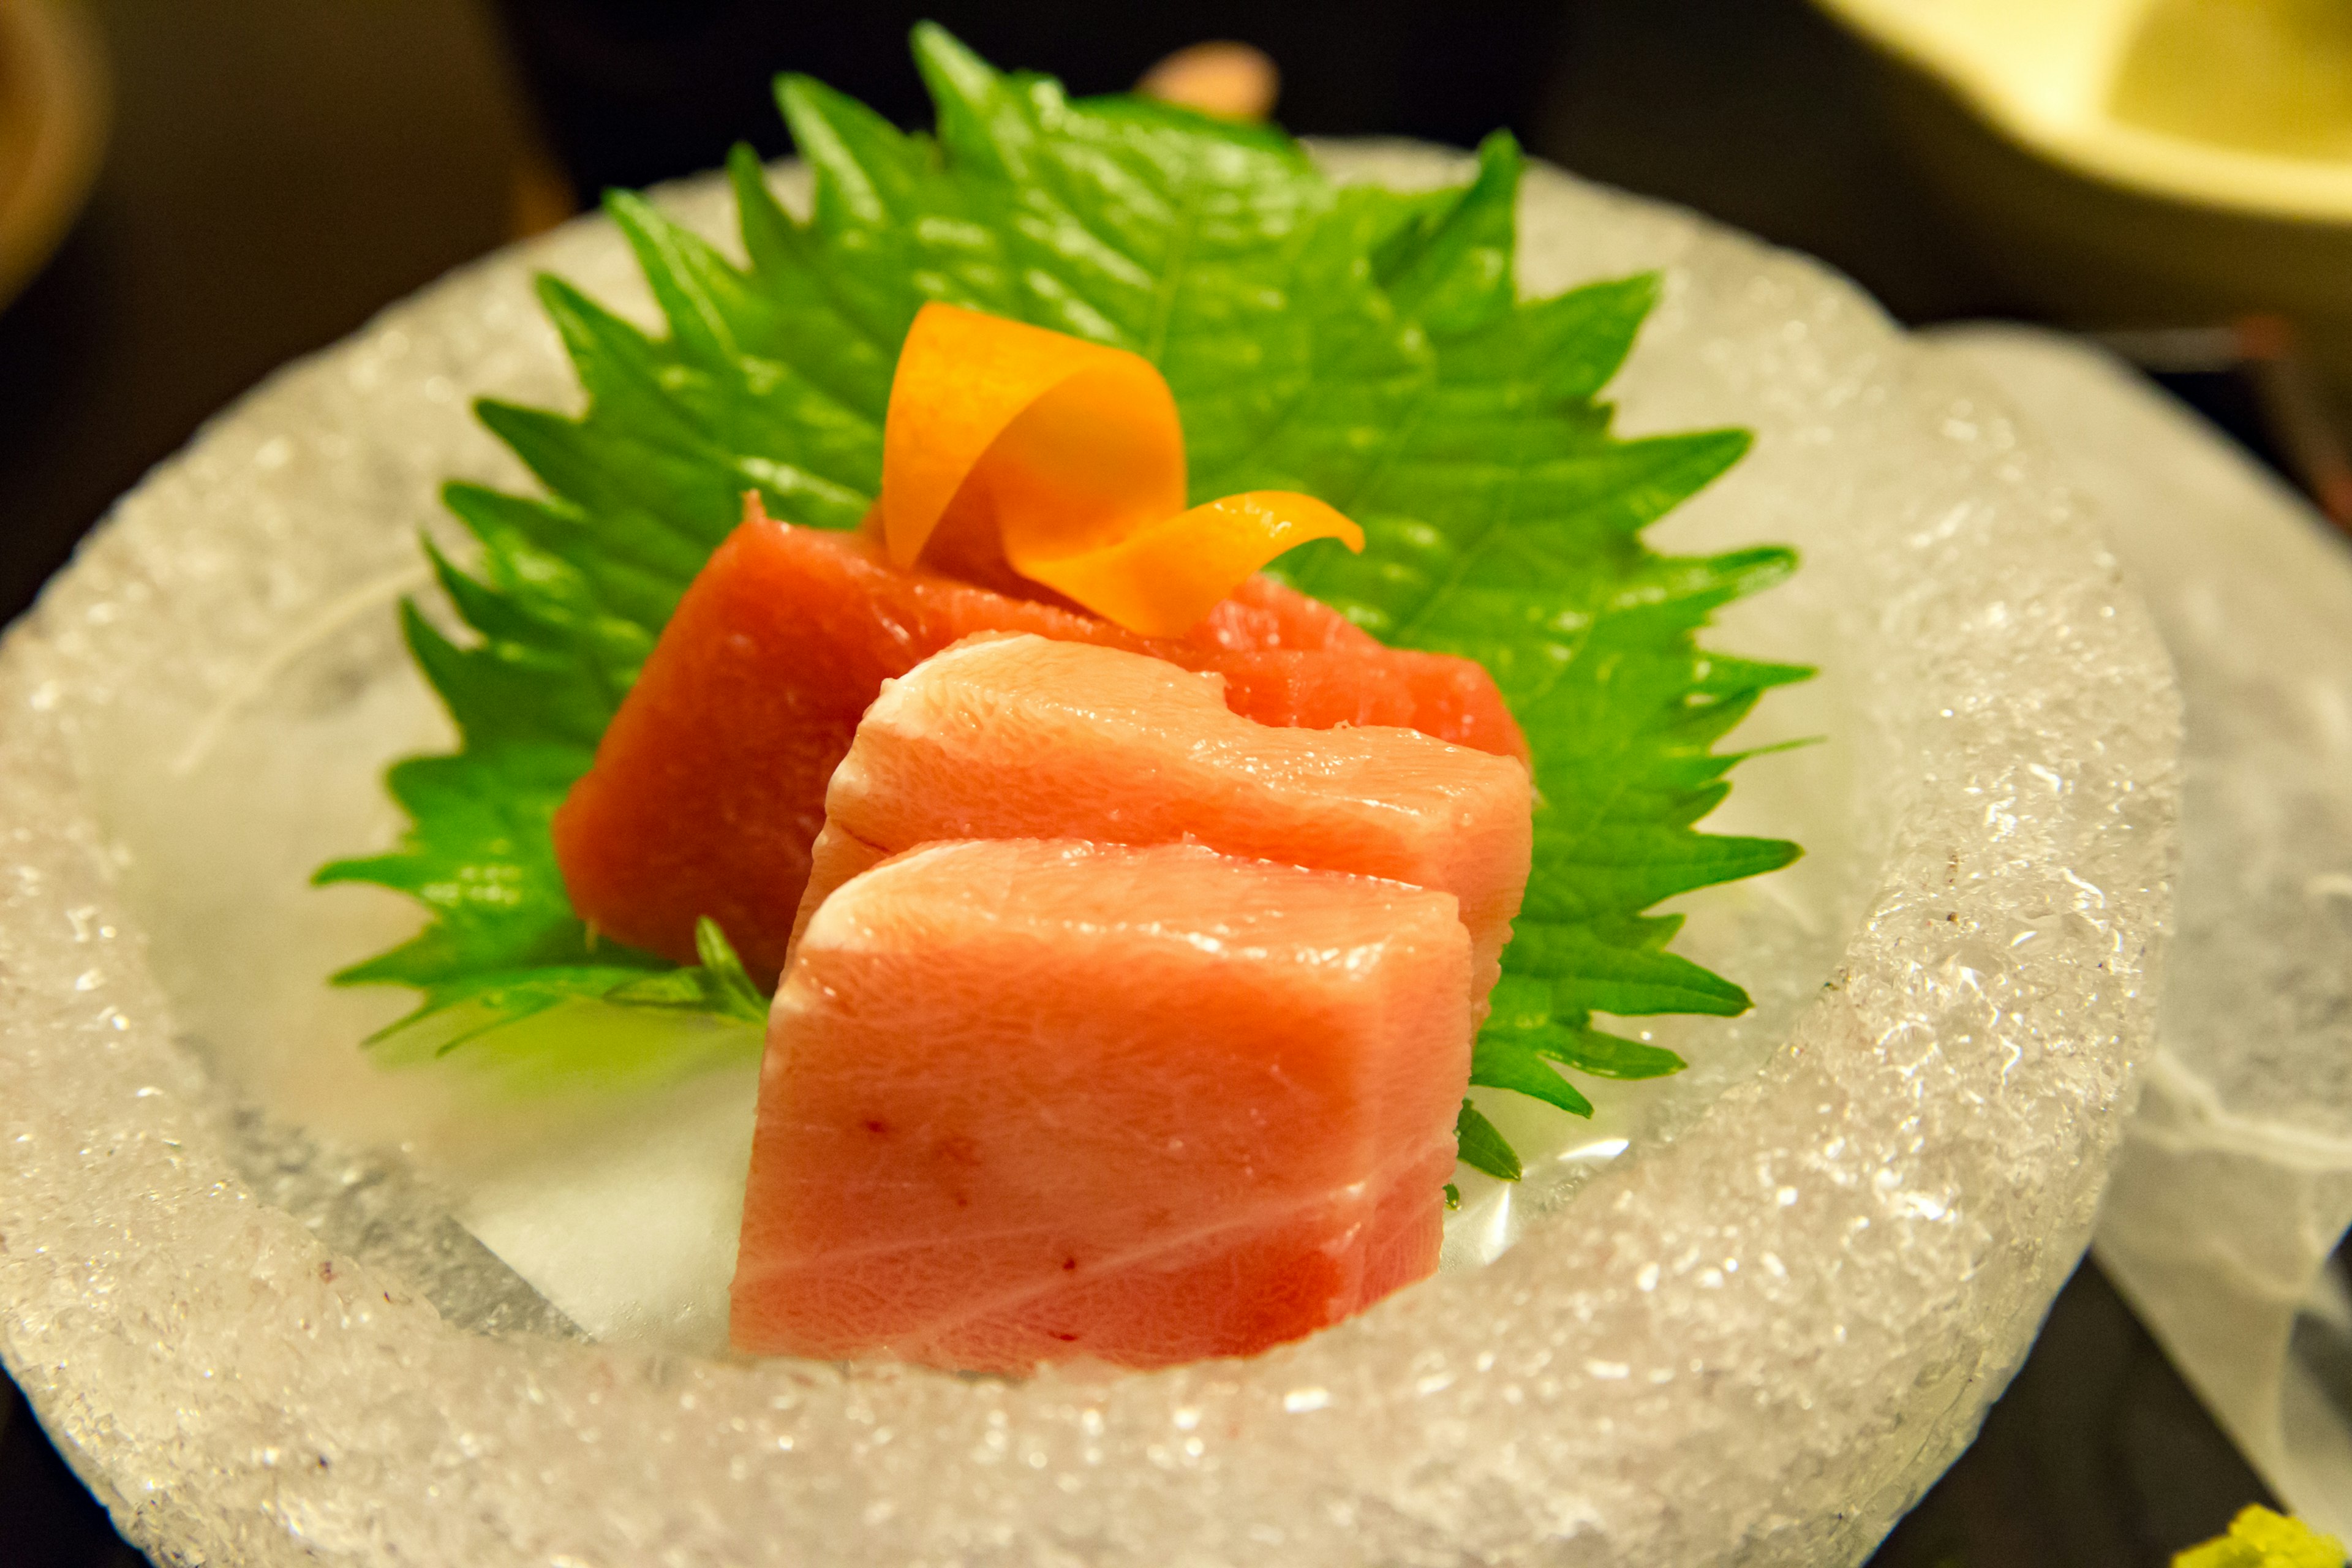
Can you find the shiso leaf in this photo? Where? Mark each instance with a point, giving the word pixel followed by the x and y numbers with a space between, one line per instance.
pixel 1482 1148
pixel 1503 520
pixel 1363 345
pixel 1508 1059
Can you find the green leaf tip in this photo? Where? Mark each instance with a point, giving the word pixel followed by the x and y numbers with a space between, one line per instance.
pixel 1479 1146
pixel 1371 347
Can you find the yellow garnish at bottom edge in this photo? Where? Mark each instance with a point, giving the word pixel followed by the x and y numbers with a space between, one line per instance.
pixel 2261 1539
pixel 1072 454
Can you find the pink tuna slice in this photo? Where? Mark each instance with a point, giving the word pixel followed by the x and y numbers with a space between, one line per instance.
pixel 1032 1101
pixel 1012 736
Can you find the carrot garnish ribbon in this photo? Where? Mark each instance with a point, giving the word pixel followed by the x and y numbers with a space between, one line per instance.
pixel 1072 456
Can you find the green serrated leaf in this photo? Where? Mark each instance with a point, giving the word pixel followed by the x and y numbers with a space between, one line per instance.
pixel 1609 1056
pixel 1479 1146
pixel 1585 1049
pixel 1364 345
pixel 1504 1060
pixel 727 989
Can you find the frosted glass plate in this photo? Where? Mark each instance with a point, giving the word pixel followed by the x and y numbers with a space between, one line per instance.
pixel 2233 1187
pixel 233 1279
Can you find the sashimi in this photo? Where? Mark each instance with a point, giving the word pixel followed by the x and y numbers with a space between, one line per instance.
pixel 1451 699
pixel 1022 737
pixel 1268 637
pixel 709 786
pixel 1030 1100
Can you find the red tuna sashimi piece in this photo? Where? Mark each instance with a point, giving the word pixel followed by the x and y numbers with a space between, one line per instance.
pixel 1031 1101
pixel 1270 641
pixel 1451 699
pixel 1262 613
pixel 1021 737
pixel 709 786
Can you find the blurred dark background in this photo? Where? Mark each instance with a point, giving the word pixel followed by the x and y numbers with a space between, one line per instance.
pixel 640 89
pixel 280 169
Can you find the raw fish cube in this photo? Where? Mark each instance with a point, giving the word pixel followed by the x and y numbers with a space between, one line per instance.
pixel 1035 1100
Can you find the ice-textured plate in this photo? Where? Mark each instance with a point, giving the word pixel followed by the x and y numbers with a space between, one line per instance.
pixel 1755 1335
pixel 2233 1187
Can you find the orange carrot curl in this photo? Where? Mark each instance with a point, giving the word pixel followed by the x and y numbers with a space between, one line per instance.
pixel 1066 458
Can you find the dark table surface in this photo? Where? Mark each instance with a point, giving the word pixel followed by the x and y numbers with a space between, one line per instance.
pixel 278 169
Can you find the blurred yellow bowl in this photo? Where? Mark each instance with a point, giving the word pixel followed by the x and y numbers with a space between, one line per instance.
pixel 2139 161
pixel 52 130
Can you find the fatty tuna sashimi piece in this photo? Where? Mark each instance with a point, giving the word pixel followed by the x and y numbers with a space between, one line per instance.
pixel 1022 737
pixel 709 786
pixel 1031 1101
